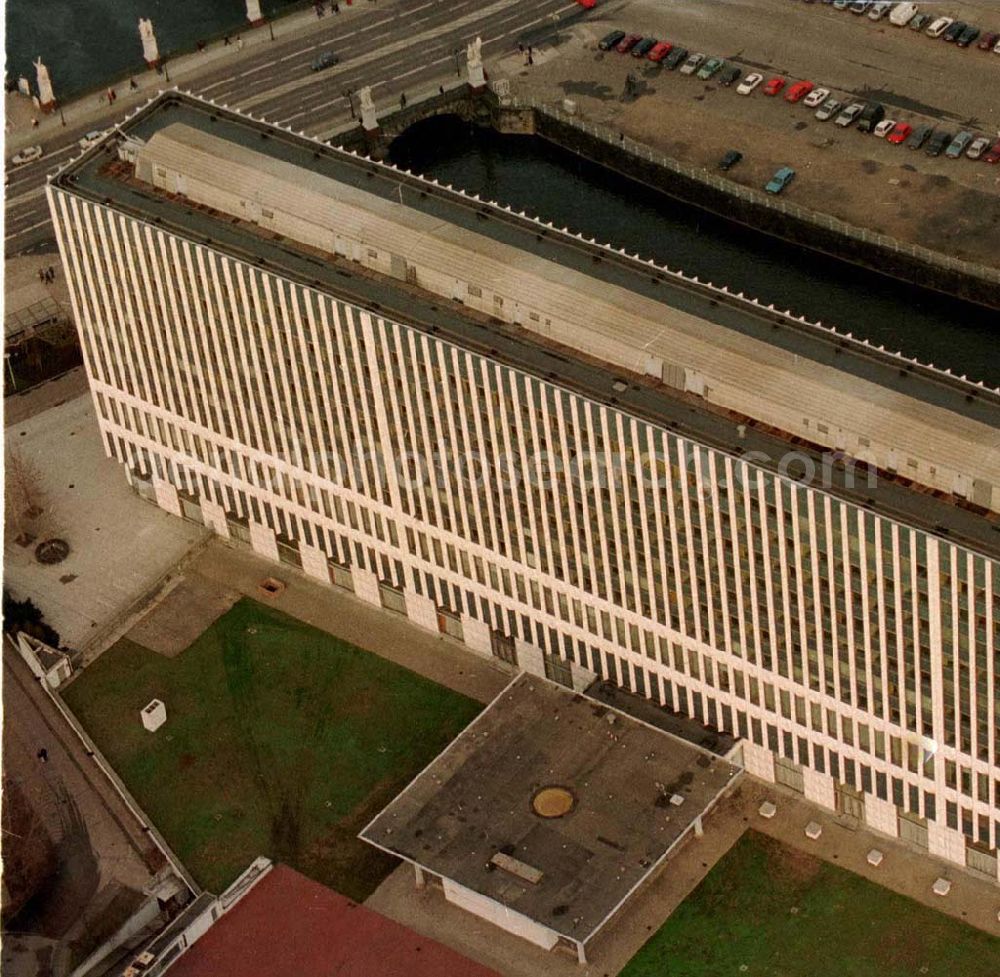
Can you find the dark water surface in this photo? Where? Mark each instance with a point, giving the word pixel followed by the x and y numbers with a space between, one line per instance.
pixel 531 174
pixel 88 43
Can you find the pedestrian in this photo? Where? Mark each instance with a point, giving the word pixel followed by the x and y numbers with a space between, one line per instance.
pixel 43 755
pixel 52 273
pixel 440 89
pixel 402 100
pixel 239 42
pixel 200 45
pixel 41 275
pixel 531 60
pixel 225 41
pixel 621 137
pixel 34 123
pixel 336 8
pixel 133 84
pixel 520 48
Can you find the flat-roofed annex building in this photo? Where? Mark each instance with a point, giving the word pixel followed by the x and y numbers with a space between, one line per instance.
pixel 395 427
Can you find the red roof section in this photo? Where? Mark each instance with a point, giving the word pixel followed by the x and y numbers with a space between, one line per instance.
pixel 288 924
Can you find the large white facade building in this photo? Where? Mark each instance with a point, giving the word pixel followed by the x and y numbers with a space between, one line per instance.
pixel 329 402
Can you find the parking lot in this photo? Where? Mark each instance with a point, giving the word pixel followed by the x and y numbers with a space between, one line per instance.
pixel 946 204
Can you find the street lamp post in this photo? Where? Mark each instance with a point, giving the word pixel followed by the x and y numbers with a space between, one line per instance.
pixel 270 27
pixel 458 62
pixel 349 95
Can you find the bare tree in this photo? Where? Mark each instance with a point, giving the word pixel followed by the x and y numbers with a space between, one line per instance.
pixel 27 500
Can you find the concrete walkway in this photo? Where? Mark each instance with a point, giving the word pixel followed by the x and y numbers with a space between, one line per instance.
pixel 338 612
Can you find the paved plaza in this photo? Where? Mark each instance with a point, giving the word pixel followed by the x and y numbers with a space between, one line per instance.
pixel 120 546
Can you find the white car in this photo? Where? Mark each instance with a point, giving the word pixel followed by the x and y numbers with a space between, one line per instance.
pixel 28 155
pixel 816 97
pixel 749 83
pixel 939 26
pixel 880 10
pixel 692 63
pixel 884 128
pixel 850 114
pixel 92 138
pixel 977 147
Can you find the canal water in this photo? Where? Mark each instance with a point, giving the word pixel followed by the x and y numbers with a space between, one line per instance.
pixel 88 43
pixel 533 175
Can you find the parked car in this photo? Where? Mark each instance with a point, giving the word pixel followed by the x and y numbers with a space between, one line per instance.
pixel 920 22
pixel 91 138
pixel 954 30
pixel 988 40
pixel 774 85
pixel 937 142
pixel 840 4
pixel 967 36
pixel 325 60
pixel 609 41
pixel 939 26
pixel 850 114
pixel 729 74
pixel 709 68
pixel 675 57
pixel 829 109
pixel 659 51
pixel 730 159
pixel 879 9
pixel 749 83
pixel 816 97
pixel 644 47
pixel 977 147
pixel 28 155
pixel 871 115
pixel 780 180
pixel 860 6
pixel 884 128
pixel 691 65
pixel 992 155
pixel 899 133
pixel 919 136
pixel 798 91
pixel 902 14
pixel 628 42
pixel 958 145
pixel 996 48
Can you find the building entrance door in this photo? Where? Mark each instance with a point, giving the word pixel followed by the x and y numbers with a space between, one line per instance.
pixel 502 646
pixel 789 773
pixel 850 802
pixel 913 828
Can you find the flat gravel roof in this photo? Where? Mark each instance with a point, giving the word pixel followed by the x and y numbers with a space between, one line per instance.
pixel 475 801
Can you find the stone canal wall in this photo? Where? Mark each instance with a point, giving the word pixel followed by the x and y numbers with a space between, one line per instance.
pixel 752 207
pixel 696 186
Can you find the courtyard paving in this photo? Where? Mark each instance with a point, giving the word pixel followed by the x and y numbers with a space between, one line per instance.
pixel 120 546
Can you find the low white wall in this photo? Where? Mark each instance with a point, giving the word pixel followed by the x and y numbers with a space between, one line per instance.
pixel 499 915
pixel 422 610
pixel 166 496
pixel 314 563
pixel 758 761
pixel 819 788
pixel 263 542
pixel 214 516
pixel 881 815
pixel 366 585
pixel 477 635
pixel 946 842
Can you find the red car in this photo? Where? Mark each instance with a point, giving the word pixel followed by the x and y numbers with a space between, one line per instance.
pixel 798 91
pixel 992 155
pixel 660 51
pixel 987 41
pixel 899 133
pixel 628 42
pixel 774 86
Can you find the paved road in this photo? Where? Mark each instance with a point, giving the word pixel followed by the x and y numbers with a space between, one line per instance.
pixel 398 46
pixel 100 846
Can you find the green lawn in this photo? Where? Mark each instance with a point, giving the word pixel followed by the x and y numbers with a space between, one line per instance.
pixel 280 740
pixel 769 911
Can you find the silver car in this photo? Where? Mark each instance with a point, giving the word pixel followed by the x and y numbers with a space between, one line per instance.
pixel 977 147
pixel 690 66
pixel 850 114
pixel 829 109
